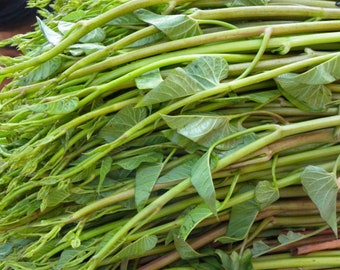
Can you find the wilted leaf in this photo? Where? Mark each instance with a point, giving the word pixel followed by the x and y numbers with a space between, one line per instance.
pixel 173 26
pixel 322 188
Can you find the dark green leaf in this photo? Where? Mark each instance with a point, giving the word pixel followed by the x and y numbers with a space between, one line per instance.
pixel 137 248
pixel 180 172
pixel 146 178
pixel 242 218
pixel 322 188
pixel 104 170
pixel 266 193
pixel 5 249
pixel 121 122
pixel 194 217
pixel 182 141
pixel 202 180
pixel 134 162
pixel 66 256
pixel 62 106
pixel 185 251
pixel 201 74
pixel 173 26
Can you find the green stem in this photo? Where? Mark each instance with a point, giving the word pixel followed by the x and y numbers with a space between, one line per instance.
pixel 152 208
pixel 295 262
pixel 254 12
pixel 82 28
pixel 175 45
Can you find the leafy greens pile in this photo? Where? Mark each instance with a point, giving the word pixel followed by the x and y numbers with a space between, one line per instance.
pixel 182 134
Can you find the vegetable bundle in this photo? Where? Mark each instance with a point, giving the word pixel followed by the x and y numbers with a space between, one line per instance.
pixel 172 134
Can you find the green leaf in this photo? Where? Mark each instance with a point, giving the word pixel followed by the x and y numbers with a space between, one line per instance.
pixel 260 247
pixel 95 36
pixel 5 249
pixel 52 37
pixel 62 106
pixel 242 218
pixel 307 91
pixel 173 26
pixel 182 141
pixel 322 188
pixel 105 168
pixel 86 49
pixel 208 129
pixel 146 40
pixel 146 178
pixel 194 217
pixel 185 251
pixel 236 261
pixel 53 197
pixel 289 237
pixel 266 193
pixel 137 248
pixel 122 121
pixel 202 180
pixel 149 80
pixel 128 19
pixel 310 98
pixel 74 16
pixel 134 162
pixel 201 74
pixel 66 256
pixel 180 172
pixel 42 72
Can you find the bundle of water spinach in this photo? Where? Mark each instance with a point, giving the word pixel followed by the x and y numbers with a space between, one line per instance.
pixel 172 135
